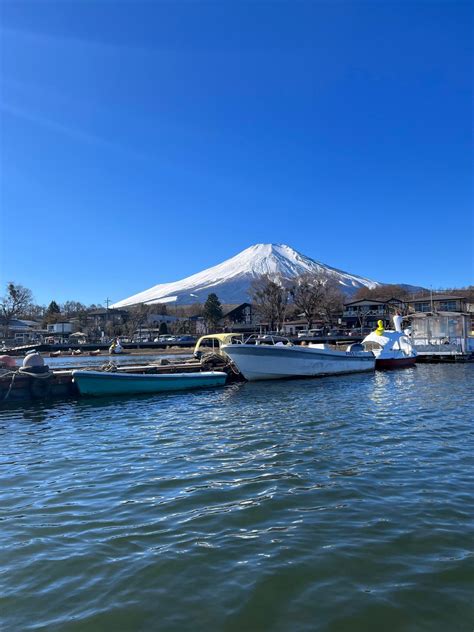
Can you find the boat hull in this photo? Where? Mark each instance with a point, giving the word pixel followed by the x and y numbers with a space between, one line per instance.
pixel 392 349
pixel 265 362
pixel 99 383
pixel 394 363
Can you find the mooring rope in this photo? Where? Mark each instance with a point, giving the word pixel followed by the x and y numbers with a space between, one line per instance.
pixel 46 375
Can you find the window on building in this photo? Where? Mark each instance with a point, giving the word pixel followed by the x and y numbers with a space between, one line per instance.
pixel 448 306
pixel 423 307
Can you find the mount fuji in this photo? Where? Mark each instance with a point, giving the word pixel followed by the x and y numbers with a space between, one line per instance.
pixel 232 279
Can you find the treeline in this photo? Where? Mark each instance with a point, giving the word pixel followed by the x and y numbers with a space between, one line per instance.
pixel 315 296
pixel 386 292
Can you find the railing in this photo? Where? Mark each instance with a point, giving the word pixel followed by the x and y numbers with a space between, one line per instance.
pixel 440 345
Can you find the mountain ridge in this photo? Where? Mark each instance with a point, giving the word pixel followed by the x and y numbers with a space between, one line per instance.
pixel 232 278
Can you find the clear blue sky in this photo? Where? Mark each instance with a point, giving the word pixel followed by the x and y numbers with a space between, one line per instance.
pixel 144 141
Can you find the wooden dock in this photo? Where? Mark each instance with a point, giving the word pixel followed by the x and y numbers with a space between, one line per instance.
pixel 18 387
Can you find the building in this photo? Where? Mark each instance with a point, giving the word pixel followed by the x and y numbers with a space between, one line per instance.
pixel 23 331
pixel 442 333
pixel 62 328
pixel 441 325
pixel 438 303
pixel 59 332
pixel 366 312
pixel 101 317
pixel 238 317
pixel 152 327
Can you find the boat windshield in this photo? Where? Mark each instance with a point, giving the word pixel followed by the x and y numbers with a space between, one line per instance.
pixel 268 339
pixel 213 343
pixel 372 346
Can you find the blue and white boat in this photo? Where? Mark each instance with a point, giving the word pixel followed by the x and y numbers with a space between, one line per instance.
pixel 270 358
pixel 106 383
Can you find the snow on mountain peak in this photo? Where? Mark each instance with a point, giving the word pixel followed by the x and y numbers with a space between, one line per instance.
pixel 231 279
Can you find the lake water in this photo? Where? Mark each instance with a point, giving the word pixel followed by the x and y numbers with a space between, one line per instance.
pixel 335 504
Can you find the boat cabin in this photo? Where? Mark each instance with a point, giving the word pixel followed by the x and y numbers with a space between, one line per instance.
pixel 213 343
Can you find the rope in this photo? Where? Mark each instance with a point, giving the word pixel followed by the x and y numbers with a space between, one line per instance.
pixel 13 376
pixel 40 376
pixel 233 368
pixel 109 367
pixel 46 375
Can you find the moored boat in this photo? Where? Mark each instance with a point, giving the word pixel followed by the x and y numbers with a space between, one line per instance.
pixel 94 353
pixel 106 383
pixel 257 361
pixel 392 349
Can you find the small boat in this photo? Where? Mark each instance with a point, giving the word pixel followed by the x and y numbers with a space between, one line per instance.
pixel 77 352
pixel 392 349
pixel 107 383
pixel 94 353
pixel 271 358
pixel 55 354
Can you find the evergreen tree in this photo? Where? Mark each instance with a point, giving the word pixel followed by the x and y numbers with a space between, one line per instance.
pixel 212 311
pixel 52 312
pixel 53 308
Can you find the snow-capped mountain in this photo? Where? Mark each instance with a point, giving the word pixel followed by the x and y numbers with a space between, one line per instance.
pixel 231 280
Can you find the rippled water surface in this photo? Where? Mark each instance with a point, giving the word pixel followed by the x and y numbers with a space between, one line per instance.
pixel 334 504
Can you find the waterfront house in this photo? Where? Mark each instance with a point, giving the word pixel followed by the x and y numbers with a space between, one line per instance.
pixel 441 325
pixel 366 312
pixel 62 327
pixel 442 333
pixel 239 317
pixel 22 331
pixel 438 303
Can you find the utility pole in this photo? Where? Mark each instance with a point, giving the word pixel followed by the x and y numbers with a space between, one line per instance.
pixel 107 303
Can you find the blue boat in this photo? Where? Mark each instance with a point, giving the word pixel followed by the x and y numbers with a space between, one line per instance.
pixel 98 383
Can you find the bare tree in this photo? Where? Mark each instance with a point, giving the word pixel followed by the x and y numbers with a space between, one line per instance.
pixel 317 296
pixel 270 298
pixel 332 301
pixel 307 294
pixel 14 303
pixel 363 316
pixel 72 308
pixel 35 312
pixel 137 317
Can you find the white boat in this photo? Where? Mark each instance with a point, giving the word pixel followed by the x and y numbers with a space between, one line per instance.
pixel 281 360
pixel 392 349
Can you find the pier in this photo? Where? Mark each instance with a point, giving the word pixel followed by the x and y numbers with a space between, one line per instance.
pixel 58 383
